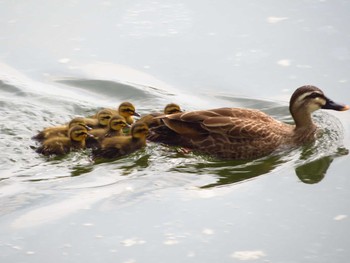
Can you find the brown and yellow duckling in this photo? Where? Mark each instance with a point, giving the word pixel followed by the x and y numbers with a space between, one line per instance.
pixel 59 131
pixel 63 145
pixel 128 111
pixel 151 119
pixel 115 128
pixel 237 133
pixel 118 146
pixel 100 119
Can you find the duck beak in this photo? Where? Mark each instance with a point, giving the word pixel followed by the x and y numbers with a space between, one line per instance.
pixel 90 135
pixel 331 105
pixel 86 127
pixel 137 114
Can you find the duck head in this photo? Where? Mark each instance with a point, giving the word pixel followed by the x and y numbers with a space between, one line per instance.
pixel 127 110
pixel 104 116
pixel 78 121
pixel 308 99
pixel 172 108
pixel 139 130
pixel 78 133
pixel 117 123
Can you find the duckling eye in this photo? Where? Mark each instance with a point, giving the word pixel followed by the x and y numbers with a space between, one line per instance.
pixel 105 117
pixel 118 123
pixel 141 130
pixel 173 111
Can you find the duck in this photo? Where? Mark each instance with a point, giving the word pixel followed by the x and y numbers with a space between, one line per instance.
pixel 61 130
pixel 128 111
pixel 62 145
pixel 151 119
pixel 240 133
pixel 118 146
pixel 115 128
pixel 100 119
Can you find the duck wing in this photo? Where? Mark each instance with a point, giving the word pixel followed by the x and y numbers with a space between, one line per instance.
pixel 231 122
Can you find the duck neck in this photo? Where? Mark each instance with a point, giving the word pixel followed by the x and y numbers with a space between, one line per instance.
pixel 305 128
pixel 302 119
pixel 78 144
pixel 140 140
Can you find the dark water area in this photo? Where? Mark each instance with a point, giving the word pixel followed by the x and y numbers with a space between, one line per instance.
pixel 59 60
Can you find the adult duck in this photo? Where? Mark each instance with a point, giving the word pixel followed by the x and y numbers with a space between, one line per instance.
pixel 238 133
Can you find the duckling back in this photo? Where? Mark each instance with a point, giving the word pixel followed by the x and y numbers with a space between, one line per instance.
pixel 63 145
pixel 59 131
pixel 118 146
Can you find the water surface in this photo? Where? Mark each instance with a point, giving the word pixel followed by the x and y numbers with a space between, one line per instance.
pixel 61 60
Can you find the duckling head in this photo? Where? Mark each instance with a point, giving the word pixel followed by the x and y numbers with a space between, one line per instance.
pixel 104 116
pixel 127 110
pixel 172 108
pixel 117 123
pixel 78 121
pixel 308 99
pixel 139 130
pixel 78 133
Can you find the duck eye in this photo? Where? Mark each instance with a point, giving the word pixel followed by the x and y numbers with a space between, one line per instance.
pixel 314 95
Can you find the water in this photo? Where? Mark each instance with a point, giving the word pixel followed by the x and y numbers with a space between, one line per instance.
pixel 61 60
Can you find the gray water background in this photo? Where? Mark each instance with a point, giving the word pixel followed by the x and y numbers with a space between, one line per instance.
pixel 63 59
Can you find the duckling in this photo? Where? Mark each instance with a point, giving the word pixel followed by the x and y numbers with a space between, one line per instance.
pixel 115 128
pixel 236 133
pixel 102 118
pixel 118 146
pixel 59 131
pixel 152 121
pixel 63 145
pixel 127 110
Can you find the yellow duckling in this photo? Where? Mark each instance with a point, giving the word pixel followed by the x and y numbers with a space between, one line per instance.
pixel 102 118
pixel 59 131
pixel 151 119
pixel 122 145
pixel 127 110
pixel 115 128
pixel 63 145
pixel 237 133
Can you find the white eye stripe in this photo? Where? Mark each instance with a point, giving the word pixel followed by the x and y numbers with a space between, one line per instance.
pixel 303 96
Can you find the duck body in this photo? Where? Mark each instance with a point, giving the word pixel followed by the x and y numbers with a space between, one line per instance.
pixel 118 146
pixel 237 133
pixel 115 128
pixel 60 130
pixel 63 145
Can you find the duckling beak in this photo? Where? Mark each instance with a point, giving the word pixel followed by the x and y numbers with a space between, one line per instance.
pixel 331 105
pixel 86 127
pixel 90 135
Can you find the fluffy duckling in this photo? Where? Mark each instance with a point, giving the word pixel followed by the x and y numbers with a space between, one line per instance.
pixel 59 131
pixel 63 145
pixel 122 145
pixel 115 128
pixel 102 118
pixel 152 121
pixel 236 133
pixel 127 110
